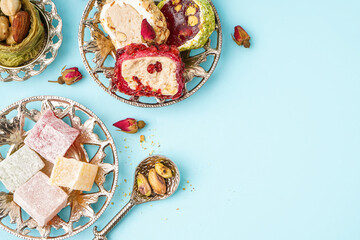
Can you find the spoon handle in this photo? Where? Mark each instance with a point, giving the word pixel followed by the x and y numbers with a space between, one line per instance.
pixel 101 235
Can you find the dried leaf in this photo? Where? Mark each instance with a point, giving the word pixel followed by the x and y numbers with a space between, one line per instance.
pixel 192 72
pixel 80 206
pixel 104 43
pixel 104 169
pixel 10 132
pixel 9 208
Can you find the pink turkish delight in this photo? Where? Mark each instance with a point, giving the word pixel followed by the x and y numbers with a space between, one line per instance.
pixel 39 199
pixel 51 137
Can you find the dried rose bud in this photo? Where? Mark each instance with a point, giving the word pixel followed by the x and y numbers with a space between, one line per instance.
pixel 141 124
pixel 129 125
pixel 69 76
pixel 241 37
pixel 147 31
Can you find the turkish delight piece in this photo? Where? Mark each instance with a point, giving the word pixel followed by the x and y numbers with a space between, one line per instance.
pixel 73 174
pixel 191 22
pixel 133 21
pixel 39 199
pixel 51 137
pixel 155 71
pixel 19 167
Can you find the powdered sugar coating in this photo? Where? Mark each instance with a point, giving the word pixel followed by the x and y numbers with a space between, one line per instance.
pixel 19 167
pixel 73 174
pixel 39 199
pixel 51 137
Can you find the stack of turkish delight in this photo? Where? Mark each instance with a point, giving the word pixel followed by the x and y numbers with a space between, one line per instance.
pixel 39 195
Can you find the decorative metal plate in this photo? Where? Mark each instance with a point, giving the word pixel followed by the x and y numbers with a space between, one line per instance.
pixel 47 55
pixel 82 204
pixel 97 48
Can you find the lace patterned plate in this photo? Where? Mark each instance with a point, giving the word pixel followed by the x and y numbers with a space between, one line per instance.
pixel 95 48
pixel 53 25
pixel 84 208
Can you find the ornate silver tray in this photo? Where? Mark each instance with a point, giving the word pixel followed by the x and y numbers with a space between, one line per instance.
pixel 47 55
pixel 95 58
pixel 84 208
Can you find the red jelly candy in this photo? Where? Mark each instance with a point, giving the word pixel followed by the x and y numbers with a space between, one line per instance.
pixel 158 66
pixel 151 68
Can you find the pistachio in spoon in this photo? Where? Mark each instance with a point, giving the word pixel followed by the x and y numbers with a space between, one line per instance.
pixel 137 196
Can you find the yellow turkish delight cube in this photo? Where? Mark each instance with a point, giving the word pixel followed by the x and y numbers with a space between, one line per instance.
pixel 73 174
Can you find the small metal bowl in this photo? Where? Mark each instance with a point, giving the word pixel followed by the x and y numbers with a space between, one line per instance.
pixel 196 75
pixel 51 45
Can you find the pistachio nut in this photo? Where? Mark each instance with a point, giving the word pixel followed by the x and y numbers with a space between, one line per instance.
pixel 178 7
pixel 157 182
pixel 175 2
pixel 10 7
pixel 4 28
pixel 163 171
pixel 190 11
pixel 143 185
pixel 193 21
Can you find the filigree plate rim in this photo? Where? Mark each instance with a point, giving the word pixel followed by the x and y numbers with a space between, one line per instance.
pixel 49 46
pixel 187 94
pixel 41 98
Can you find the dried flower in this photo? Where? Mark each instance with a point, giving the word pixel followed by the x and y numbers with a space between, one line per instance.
pixel 147 31
pixel 141 124
pixel 130 125
pixel 69 76
pixel 241 37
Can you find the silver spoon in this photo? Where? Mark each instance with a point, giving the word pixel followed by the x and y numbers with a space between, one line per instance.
pixel 137 198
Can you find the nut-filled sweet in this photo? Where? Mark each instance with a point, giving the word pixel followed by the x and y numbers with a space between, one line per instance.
pixel 21 32
pixel 191 22
pixel 148 40
pixel 149 71
pixel 133 21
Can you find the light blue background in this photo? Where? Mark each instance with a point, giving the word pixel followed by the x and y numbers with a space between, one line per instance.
pixel 270 144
